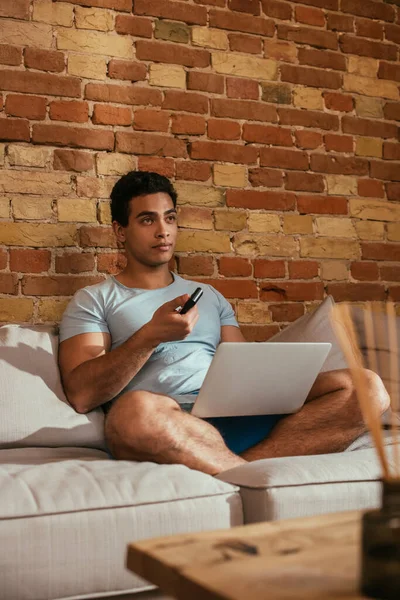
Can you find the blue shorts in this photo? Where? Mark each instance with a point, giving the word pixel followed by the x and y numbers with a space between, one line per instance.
pixel 239 433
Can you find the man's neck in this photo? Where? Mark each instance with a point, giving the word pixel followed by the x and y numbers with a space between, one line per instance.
pixel 147 279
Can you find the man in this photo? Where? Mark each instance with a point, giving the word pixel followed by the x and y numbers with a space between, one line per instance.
pixel 125 346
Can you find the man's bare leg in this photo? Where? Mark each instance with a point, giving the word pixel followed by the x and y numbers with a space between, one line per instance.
pixel 329 421
pixel 149 427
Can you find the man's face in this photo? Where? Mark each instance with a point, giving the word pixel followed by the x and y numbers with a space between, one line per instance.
pixel 150 236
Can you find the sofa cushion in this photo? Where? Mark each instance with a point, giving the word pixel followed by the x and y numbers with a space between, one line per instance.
pixel 33 408
pixel 68 514
pixel 316 327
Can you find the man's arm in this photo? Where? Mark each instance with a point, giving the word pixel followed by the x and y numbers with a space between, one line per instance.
pixel 93 375
pixel 230 333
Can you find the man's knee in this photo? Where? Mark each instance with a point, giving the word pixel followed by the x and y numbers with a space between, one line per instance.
pixel 132 426
pixel 375 390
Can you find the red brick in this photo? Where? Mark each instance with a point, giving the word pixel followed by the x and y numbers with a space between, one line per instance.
pixel 305 35
pixel 264 134
pixel 187 101
pixel 60 135
pixel 392 32
pixel 369 127
pixel 150 143
pixel 389 71
pixel 73 160
pixel 16 9
pixel 8 283
pixel 29 261
pixel 172 53
pixel 10 55
pixel 354 292
pixel 151 120
pixel 223 152
pixel 163 166
pixel 234 266
pixel 206 82
pixel 339 22
pixel 245 23
pixel 243 109
pixel 336 101
pixel 75 262
pixel 393 191
pixel 122 69
pixel 310 16
pixel 368 8
pixel 105 114
pixel 355 45
pixel 286 312
pixel 322 205
pixel 123 94
pixel 311 77
pixel 73 111
pixel 239 42
pixel 381 170
pixel 196 265
pixel 14 129
pixel 242 88
pixel 258 333
pixel 3 259
pixel 308 139
pixel 291 291
pixel 211 2
pixel 266 177
pixel 370 29
pixel 308 118
pixel 111 263
pixel 231 288
pixel 220 129
pixel 193 171
pixel 167 9
pixel 276 9
pixel 371 188
pixel 338 143
pixel 391 151
pixel 122 5
pixel 265 269
pixel 30 107
pixel 305 182
pixel 322 58
pixel 44 60
pixel 136 26
pixel 260 200
pixel 364 271
pixel 394 293
pixel 381 251
pixel 346 165
pixel 286 159
pixel 190 124
pixel 30 82
pixel 97 236
pixel 391 111
pixel 303 269
pixel 389 273
pixel 247 6
pixel 56 285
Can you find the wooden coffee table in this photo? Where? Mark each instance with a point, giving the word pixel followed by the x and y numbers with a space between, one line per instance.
pixel 314 558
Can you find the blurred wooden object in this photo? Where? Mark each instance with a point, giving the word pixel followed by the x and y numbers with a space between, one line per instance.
pixel 308 559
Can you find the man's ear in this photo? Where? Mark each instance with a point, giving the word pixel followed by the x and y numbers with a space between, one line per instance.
pixel 119 232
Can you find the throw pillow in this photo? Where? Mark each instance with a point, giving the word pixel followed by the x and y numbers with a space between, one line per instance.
pixel 33 408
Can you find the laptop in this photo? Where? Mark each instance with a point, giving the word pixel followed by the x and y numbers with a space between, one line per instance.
pixel 259 378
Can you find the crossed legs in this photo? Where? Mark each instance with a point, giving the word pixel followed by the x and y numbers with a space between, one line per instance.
pixel 144 426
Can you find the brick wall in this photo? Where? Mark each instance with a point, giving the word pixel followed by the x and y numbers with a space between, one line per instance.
pixel 279 122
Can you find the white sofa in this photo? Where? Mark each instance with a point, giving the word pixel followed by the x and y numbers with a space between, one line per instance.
pixel 67 511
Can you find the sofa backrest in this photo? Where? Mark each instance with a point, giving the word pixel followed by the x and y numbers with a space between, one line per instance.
pixel 33 408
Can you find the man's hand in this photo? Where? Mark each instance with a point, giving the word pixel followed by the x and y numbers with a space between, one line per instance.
pixel 167 325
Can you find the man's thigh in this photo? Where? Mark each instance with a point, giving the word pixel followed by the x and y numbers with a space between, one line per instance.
pixel 330 381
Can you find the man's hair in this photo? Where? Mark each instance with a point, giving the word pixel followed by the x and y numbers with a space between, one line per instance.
pixel 133 184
